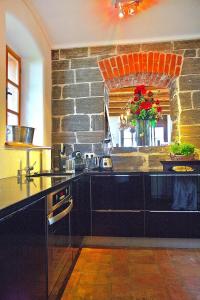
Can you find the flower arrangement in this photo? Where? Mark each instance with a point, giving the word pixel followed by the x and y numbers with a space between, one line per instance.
pixel 143 106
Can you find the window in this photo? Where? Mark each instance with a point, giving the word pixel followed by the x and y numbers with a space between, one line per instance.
pixel 13 87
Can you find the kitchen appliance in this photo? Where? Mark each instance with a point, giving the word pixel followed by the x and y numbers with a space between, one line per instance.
pixel 20 134
pixel 60 256
pixel 105 161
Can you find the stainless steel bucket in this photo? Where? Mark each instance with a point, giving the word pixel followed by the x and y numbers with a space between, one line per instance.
pixel 21 134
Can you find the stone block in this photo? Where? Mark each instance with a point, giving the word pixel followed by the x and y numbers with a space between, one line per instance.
pixel 157 46
pixel 63 77
pixel 97 88
pixel 191 66
pixel 83 148
pixel 121 49
pixel 56 92
pixel 98 149
pixel 62 107
pixel 78 63
pixel 185 100
pixel 102 50
pixel 88 75
pixel 56 148
pixel 174 110
pixel 193 140
pixel 76 90
pixel 90 137
pixel 189 82
pixel 188 44
pixel 54 54
pixel 73 53
pixel 55 124
pixel 189 117
pixel 192 130
pixel 63 137
pixel 90 105
pixel 190 53
pixel 97 122
pixel 76 123
pixel 196 99
pixel 154 160
pixel 128 162
pixel 59 65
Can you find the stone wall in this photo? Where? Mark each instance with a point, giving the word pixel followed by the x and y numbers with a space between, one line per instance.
pixel 78 94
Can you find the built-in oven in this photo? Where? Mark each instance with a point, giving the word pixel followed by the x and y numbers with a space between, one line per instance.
pixel 60 257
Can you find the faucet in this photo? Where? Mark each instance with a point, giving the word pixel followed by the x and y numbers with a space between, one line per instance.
pixel 27 169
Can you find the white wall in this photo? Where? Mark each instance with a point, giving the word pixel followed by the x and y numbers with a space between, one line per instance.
pixel 19 28
pixel 95 22
pixel 25 35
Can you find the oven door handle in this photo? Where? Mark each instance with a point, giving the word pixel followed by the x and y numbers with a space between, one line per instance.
pixel 62 214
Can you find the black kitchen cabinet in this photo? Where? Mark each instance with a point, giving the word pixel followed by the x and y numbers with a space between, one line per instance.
pixel 81 213
pixel 117 203
pixel 118 224
pixel 172 203
pixel 173 224
pixel 23 257
pixel 117 192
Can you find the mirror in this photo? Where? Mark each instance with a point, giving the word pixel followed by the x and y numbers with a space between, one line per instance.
pixel 126 136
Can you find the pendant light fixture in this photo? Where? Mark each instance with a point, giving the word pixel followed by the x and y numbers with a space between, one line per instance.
pixel 126 7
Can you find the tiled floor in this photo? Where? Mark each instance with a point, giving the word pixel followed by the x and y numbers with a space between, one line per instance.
pixel 135 274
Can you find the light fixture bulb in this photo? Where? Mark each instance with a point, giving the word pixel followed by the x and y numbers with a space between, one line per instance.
pixel 121 14
pixel 131 11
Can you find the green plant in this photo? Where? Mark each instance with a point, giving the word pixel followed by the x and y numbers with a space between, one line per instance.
pixel 182 149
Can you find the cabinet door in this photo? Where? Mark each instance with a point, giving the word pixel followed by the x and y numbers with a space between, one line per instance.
pixel 172 192
pixel 117 192
pixel 172 224
pixel 23 258
pixel 81 212
pixel 118 224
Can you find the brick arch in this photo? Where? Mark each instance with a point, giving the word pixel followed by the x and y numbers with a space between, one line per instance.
pixel 149 68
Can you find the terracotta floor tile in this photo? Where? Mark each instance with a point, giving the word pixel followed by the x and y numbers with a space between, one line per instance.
pixel 135 274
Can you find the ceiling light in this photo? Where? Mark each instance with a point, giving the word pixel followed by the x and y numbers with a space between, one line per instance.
pixel 126 7
pixel 121 12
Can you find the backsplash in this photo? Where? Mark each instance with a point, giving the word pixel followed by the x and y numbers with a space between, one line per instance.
pixel 78 94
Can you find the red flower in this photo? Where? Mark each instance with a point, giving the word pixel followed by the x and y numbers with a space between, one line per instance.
pixel 157 102
pixel 137 112
pixel 159 109
pixel 136 98
pixel 146 105
pixel 140 89
pixel 132 102
pixel 150 94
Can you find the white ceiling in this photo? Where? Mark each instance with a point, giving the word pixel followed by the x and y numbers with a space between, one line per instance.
pixel 75 23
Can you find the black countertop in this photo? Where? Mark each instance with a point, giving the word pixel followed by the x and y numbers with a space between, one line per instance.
pixel 15 193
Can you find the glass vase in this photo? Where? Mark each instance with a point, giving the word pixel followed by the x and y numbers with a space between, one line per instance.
pixel 145 133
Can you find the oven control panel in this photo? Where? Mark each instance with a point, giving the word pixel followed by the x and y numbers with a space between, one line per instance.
pixel 61 195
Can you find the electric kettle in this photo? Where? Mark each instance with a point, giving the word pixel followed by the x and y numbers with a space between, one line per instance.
pixel 105 163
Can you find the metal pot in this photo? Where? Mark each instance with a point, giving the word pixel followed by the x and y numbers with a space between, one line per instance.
pixel 21 134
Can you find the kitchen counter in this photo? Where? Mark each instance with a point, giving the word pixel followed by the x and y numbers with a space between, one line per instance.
pixel 15 193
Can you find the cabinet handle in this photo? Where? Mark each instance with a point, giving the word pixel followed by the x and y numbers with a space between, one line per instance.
pixel 173 211
pixel 174 175
pixel 117 210
pixel 61 215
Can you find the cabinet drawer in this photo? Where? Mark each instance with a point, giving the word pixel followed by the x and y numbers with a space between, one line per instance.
pixel 172 224
pixel 119 224
pixel 117 192
pixel 170 192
